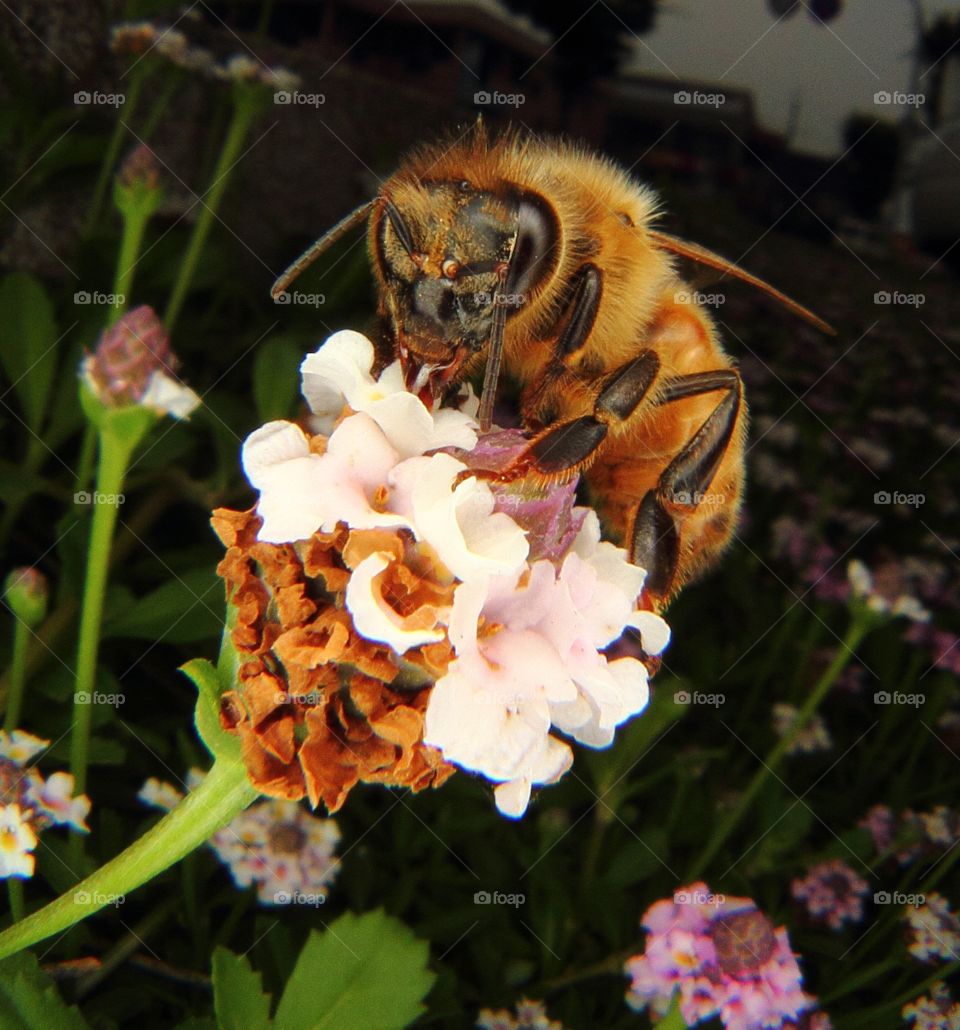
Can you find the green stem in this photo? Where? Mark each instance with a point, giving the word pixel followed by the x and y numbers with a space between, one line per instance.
pixel 672 1020
pixel 15 894
pixel 18 674
pixel 113 147
pixel 134 226
pixel 223 794
pixel 244 110
pixel 116 449
pixel 861 622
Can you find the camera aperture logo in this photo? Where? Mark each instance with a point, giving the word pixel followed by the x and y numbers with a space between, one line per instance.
pixel 499 898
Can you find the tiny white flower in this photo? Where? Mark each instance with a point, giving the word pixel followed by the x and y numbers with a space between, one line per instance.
pixel 339 373
pixel 166 396
pixel 17 841
pixel 159 794
pixel 54 799
pixel 20 747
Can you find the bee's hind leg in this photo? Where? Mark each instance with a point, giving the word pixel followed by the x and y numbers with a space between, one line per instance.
pixel 655 536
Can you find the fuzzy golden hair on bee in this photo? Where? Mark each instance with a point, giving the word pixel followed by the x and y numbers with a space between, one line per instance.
pixel 545 257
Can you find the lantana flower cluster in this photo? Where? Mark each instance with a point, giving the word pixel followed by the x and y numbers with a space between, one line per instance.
pixel 933 930
pixel 289 854
pixel 396 613
pixel 30 803
pixel 832 893
pixel 912 835
pixel 723 958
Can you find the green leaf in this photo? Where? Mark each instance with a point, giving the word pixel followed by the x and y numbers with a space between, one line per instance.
pixel 182 610
pixel 207 713
pixel 29 999
pixel 238 996
pixel 28 343
pixel 364 972
pixel 276 377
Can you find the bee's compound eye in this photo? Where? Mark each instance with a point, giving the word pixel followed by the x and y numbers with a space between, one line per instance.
pixel 465 184
pixel 450 269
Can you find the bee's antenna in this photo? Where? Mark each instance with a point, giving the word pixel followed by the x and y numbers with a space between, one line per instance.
pixel 328 239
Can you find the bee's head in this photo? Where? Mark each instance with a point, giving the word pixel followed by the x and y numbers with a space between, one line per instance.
pixel 448 254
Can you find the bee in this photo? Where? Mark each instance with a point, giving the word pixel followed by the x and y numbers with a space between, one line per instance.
pixel 544 258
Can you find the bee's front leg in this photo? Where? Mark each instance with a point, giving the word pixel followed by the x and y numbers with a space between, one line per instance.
pixel 568 446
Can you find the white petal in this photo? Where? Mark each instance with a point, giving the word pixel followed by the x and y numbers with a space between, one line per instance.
pixel 375 620
pixel 169 397
pixel 270 445
pixel 654 632
pixel 513 797
pixel 336 371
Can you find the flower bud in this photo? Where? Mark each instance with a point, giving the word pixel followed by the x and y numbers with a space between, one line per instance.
pixel 26 592
pixel 127 356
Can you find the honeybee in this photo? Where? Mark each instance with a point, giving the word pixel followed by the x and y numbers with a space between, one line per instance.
pixel 544 257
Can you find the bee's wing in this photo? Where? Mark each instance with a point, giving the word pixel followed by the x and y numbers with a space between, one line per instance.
pixel 695 252
pixel 328 239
